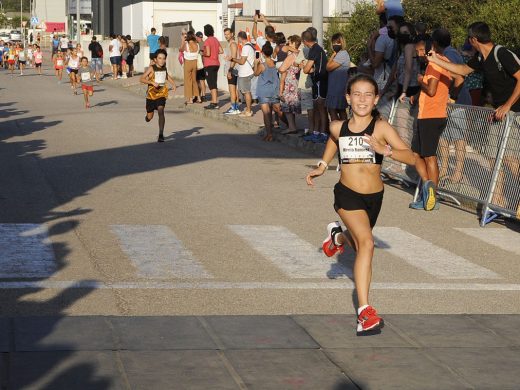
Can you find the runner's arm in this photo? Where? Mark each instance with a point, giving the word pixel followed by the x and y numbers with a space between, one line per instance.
pixel 145 78
pixel 331 149
pixel 399 150
pixel 430 88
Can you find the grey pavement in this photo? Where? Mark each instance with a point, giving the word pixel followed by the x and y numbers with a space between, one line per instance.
pixel 260 352
pixel 196 263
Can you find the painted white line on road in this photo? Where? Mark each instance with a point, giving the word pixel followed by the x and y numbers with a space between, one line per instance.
pixel 25 251
pixel 343 284
pixel 157 253
pixel 505 239
pixel 428 257
pixel 295 257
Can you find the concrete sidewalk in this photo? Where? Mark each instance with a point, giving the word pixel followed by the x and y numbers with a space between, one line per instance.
pixel 260 352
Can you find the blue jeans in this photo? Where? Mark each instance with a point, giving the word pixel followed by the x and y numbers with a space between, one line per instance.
pixel 96 64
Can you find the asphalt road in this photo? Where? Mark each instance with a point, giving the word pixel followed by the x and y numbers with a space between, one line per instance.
pixel 99 219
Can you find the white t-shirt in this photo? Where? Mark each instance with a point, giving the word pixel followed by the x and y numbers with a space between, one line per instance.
pixel 246 70
pixel 64 42
pixel 115 52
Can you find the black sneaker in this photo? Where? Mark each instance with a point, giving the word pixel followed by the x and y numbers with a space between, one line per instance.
pixel 161 138
pixel 211 106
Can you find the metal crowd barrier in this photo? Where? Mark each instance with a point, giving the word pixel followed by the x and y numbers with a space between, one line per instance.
pixel 479 158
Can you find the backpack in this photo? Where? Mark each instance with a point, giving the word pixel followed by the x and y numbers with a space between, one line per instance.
pixel 99 50
pixel 495 54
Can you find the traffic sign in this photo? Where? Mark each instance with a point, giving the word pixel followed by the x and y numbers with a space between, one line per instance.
pixel 34 21
pixel 24 23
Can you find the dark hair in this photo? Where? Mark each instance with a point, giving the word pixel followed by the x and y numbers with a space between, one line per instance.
pixel 129 37
pixel 280 38
pixel 421 28
pixel 410 28
pixel 307 36
pixel 441 37
pixel 161 51
pixel 83 58
pixel 271 35
pixel 242 35
pixel 267 49
pixel 481 31
pixel 382 20
pixel 398 19
pixel 269 29
pixel 337 37
pixel 228 29
pixel 112 36
pixel 94 38
pixel 162 40
pixel 153 29
pixel 296 39
pixel 314 33
pixel 208 30
pixel 190 36
pixel 369 79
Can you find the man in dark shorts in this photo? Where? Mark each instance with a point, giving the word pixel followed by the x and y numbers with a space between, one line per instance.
pixel 153 43
pixel 316 66
pixel 201 74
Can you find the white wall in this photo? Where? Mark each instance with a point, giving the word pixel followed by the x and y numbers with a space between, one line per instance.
pixel 51 10
pixel 141 17
pixel 296 8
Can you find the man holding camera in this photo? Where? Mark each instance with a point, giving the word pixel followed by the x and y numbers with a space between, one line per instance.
pixel 245 71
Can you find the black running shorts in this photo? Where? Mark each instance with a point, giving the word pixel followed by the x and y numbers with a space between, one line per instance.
pixel 211 76
pixel 426 139
pixel 152 105
pixel 347 199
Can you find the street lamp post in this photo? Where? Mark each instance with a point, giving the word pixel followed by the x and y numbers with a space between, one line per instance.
pixel 78 17
pixel 317 18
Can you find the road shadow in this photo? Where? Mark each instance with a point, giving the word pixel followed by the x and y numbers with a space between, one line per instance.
pixel 106 103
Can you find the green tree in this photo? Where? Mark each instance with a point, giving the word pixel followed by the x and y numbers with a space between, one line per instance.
pixel 356 31
pixel 502 17
pixel 15 21
pixel 14 5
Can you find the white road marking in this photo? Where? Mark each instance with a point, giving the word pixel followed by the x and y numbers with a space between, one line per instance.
pixel 505 239
pixel 295 257
pixel 25 251
pixel 157 253
pixel 342 284
pixel 428 257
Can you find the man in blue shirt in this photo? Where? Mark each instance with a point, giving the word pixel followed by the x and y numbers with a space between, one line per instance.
pixel 390 7
pixel 55 44
pixel 153 43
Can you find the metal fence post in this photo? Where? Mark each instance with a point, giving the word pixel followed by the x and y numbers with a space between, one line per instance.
pixel 496 171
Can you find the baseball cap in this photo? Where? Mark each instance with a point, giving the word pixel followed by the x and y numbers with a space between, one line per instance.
pixel 199 34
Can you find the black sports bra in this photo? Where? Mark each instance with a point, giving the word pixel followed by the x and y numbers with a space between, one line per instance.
pixel 352 147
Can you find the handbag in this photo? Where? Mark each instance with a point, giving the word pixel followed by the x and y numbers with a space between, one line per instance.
pixel 181 58
pixel 200 64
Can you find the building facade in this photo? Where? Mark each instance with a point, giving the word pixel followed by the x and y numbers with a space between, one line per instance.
pixel 302 8
pixel 51 12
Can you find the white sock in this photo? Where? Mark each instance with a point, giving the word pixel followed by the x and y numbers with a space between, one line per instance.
pixel 360 309
pixel 336 236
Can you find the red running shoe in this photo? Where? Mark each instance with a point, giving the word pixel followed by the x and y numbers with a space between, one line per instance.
pixel 369 320
pixel 329 246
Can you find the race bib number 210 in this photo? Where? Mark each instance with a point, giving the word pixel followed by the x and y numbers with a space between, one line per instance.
pixel 355 149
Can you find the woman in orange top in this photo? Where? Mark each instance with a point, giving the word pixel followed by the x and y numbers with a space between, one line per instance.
pixel 156 77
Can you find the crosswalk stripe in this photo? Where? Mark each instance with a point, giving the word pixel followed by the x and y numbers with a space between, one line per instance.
pixel 294 256
pixel 25 251
pixel 428 257
pixel 157 253
pixel 505 239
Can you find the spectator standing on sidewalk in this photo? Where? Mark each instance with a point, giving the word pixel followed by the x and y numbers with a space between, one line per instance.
pixel 338 66
pixel 305 90
pixel 432 119
pixel 191 55
pixel 55 44
pixel 501 70
pixel 201 73
pixel 232 72
pixel 268 88
pixel 115 55
pixel 97 58
pixel 245 71
pixel 153 43
pixel 212 50
pixel 316 67
pixel 289 93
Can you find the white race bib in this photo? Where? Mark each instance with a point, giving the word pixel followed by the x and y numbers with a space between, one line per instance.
pixel 59 62
pixel 355 149
pixel 160 77
pixel 11 56
pixel 85 76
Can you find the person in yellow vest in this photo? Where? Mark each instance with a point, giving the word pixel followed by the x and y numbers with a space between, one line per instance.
pixel 157 77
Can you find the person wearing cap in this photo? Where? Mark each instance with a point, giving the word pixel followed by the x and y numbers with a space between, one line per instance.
pixel 201 74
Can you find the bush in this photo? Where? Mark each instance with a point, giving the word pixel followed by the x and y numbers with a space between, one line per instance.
pixel 502 17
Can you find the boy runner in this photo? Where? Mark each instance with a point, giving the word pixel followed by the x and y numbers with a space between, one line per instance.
pixel 157 77
pixel 85 76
